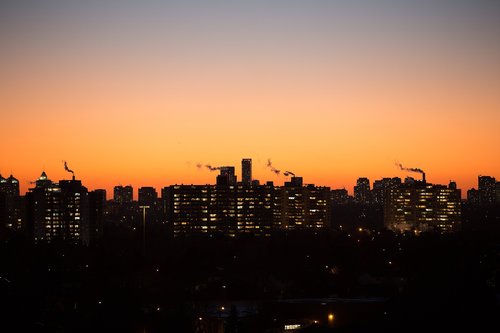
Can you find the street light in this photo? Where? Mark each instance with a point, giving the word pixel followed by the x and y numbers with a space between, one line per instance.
pixel 144 227
pixel 331 318
pixel 221 310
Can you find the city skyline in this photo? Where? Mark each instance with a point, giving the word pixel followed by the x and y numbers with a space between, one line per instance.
pixel 277 176
pixel 223 166
pixel 141 94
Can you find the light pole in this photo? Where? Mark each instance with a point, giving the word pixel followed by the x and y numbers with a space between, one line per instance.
pixel 144 228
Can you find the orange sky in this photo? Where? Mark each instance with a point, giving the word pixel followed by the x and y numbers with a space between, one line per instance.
pixel 125 103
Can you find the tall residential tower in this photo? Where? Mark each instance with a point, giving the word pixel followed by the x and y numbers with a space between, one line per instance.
pixel 246 171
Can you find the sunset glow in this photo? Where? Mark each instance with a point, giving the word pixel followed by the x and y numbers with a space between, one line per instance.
pixel 139 96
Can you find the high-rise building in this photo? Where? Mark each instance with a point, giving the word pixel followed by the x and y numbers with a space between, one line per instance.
pixel 380 188
pixel 9 186
pixel 254 209
pixel 362 190
pixel 2 183
pixel 420 206
pixel 3 212
pixel 339 196
pixel 295 182
pixel 11 203
pixel 222 208
pixel 190 205
pixel 75 210
pixel 43 181
pixel 487 189
pixel 166 202
pixel 58 211
pixel 123 194
pixel 232 210
pixel 44 210
pixel 410 180
pixel 97 207
pixel 497 190
pixel 227 176
pixel 246 171
pixel 301 207
pixel 147 196
pixel 473 197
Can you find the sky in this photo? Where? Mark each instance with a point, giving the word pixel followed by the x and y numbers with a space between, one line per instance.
pixel 140 92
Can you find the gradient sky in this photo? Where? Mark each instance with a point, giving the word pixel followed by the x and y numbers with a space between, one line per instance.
pixel 139 92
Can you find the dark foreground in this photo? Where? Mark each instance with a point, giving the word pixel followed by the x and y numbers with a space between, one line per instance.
pixel 308 282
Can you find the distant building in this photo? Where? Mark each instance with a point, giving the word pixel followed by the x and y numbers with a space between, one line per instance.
pixel 487 189
pixel 58 211
pixel 380 188
pixel 410 180
pixel 166 202
pixel 473 197
pixel 295 182
pixel 497 190
pixel 75 210
pixel 339 196
pixel 232 210
pixel 123 194
pixel 301 207
pixel 222 208
pixel 418 206
pixel 254 209
pixel 147 196
pixel 97 207
pixel 246 171
pixel 9 186
pixel 11 204
pixel 191 211
pixel 362 190
pixel 227 176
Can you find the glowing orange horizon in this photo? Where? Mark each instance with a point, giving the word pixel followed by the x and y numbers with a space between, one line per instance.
pixel 140 97
pixel 195 175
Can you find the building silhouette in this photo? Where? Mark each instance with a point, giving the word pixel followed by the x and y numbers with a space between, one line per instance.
pixel 97 207
pixel 232 210
pixel 75 210
pixel 9 186
pixel 68 211
pixel 11 204
pixel 246 171
pixel 473 197
pixel 301 207
pixel 487 189
pixel 58 211
pixel 254 209
pixel 339 196
pixel 295 182
pixel 166 204
pixel 362 190
pixel 227 176
pixel 418 206
pixel 190 209
pixel 487 192
pixel 148 197
pixel 123 194
pixel 380 188
pixel 497 191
